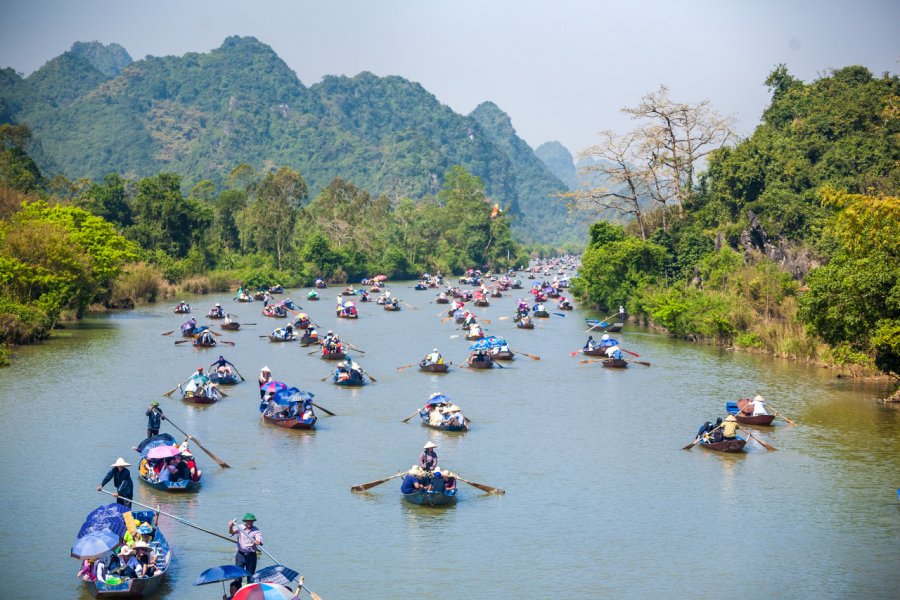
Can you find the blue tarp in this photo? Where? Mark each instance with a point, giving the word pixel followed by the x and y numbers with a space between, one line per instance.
pixel 105 518
pixel 291 395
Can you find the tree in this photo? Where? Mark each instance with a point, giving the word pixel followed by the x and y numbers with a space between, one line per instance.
pixel 677 136
pixel 268 223
pixel 165 219
pixel 17 170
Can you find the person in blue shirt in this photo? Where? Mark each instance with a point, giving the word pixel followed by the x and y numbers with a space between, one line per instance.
pixel 411 481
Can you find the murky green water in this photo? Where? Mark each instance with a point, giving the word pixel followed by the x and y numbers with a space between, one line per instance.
pixel 601 501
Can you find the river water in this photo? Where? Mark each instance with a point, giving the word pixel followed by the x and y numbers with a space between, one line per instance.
pixel 601 500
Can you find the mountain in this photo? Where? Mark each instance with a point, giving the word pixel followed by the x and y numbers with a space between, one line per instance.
pixel 94 112
pixel 558 159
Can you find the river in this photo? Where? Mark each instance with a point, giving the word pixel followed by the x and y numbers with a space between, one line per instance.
pixel 601 499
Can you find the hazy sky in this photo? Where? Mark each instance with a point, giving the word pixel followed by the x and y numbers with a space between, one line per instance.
pixel 561 69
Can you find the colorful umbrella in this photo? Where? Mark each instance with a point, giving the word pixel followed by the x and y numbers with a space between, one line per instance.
pixel 273 386
pixel 220 573
pixel 380 277
pixel 94 544
pixel 275 574
pixel 107 517
pixel 163 452
pixel 263 591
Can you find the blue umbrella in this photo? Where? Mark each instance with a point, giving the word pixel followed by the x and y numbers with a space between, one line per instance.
pixel 95 544
pixel 494 341
pixel 275 574
pixel 107 517
pixel 220 573
pixel 481 344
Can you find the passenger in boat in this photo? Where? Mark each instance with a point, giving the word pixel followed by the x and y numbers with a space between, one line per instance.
pixel 232 590
pixel 614 352
pixel 193 472
pixel 307 412
pixel 87 572
pixel 205 338
pixel 729 428
pixel 265 376
pixel 758 405
pixel 453 416
pixel 154 416
pixel 412 481
pixel 428 459
pixel 589 344
pixel 121 478
pixel 248 538
pixel 146 561
pixel 434 358
pixel 223 367
pixel 714 434
pixel 607 342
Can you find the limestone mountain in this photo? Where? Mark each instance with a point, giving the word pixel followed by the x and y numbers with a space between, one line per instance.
pixel 559 160
pixel 94 111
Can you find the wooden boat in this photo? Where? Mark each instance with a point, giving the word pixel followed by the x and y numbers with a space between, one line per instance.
pixel 312 298
pixel 426 422
pixel 433 367
pixel 341 314
pixel 541 314
pixel 224 379
pixel 475 336
pixel 348 292
pixel 420 286
pixel 183 310
pixel 355 379
pixel 503 355
pixel 182 486
pixel 290 422
pixel 482 302
pixel 737 409
pixel 431 497
pixel 440 300
pixel 276 289
pixel 259 295
pixel 321 284
pixel 487 363
pixel 594 351
pixel 522 325
pixel 292 338
pixel 615 327
pixel 615 363
pixel 230 326
pixel 138 588
pixel 245 297
pixel 275 310
pixel 334 355
pixel 564 306
pixel 204 342
pixel 201 398
pixel 308 340
pixel 735 445
pixel 391 307
pixel 213 314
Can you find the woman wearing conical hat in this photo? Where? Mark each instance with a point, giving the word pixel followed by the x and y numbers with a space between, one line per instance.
pixel 121 478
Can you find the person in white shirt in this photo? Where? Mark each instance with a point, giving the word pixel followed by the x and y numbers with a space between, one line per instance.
pixel 759 405
pixel 434 357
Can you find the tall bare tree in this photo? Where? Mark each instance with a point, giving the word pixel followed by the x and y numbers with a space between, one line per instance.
pixel 617 164
pixel 678 135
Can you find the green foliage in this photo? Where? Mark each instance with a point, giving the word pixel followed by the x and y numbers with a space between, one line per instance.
pixel 198 114
pixel 17 170
pixel 166 220
pixel 611 274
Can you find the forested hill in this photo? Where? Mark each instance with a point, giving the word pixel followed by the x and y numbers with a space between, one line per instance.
pixel 93 111
pixel 559 160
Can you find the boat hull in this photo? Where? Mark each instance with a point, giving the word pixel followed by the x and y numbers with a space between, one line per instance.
pixel 525 325
pixel 541 314
pixel 185 486
pixel 745 418
pixel 480 364
pixel 233 326
pixel 232 379
pixel 735 445
pixel 504 355
pixel 615 363
pixel 290 422
pixel 426 498
pixel 351 382
pixel 333 355
pixel 273 338
pixel 199 399
pixel 434 368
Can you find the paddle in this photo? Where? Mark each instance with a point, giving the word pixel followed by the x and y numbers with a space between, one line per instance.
pixel 410 306
pixel 221 462
pixel 183 342
pixel 778 414
pixel 531 356
pixel 369 376
pixel 172 391
pixel 407 366
pixel 757 440
pixel 418 410
pixel 445 319
pixel 504 318
pixel 368 486
pixel 226 342
pixel 169 332
pixel 482 487
pixel 630 352
pixel 325 410
pixel 692 444
pixel 637 362
pixel 559 314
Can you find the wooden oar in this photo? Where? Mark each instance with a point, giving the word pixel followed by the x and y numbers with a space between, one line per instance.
pixel 323 409
pixel 559 314
pixel 410 306
pixel 418 410
pixel 327 376
pixel 221 462
pixel 757 440
pixel 169 332
pixel 369 376
pixel 407 366
pixel 445 319
pixel 172 391
pixel 692 444
pixel 531 356
pixel 630 352
pixel 482 487
pixel 183 342
pixel 778 414
pixel 226 342
pixel 368 486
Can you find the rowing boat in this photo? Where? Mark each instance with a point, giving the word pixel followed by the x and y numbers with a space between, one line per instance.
pixel 287 409
pixel 117 587
pixel 485 363
pixel 333 355
pixel 615 363
pixel 734 445
pixel 434 367
pixel 737 409
pixel 230 326
pixel 541 314
pixel 181 486
pixel 354 379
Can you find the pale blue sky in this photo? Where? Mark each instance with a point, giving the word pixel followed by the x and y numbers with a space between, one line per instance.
pixel 562 69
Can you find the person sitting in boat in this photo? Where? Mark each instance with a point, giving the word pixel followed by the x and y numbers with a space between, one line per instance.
pixel 412 481
pixel 758 406
pixel 525 320
pixel 607 342
pixel 590 343
pixel 217 311
pixel 453 416
pixel 193 472
pixel 265 376
pixel 283 333
pixel 614 352
pixel 729 428
pixel 395 302
pixel 539 307
pixel 341 372
pixel 312 294
pixel 189 325
pixel 307 412
pixel 428 460
pixel 183 307
pixel 311 333
pixel 479 356
pixel 223 367
pixel 145 559
pixel 205 338
pixel 475 330
pixel 434 358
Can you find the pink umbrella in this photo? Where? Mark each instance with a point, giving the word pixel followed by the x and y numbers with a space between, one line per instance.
pixel 163 452
pixel 380 278
pixel 263 591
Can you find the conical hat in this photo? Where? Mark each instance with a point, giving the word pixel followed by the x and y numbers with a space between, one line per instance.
pixel 120 462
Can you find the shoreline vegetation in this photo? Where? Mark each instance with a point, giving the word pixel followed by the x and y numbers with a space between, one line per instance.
pixel 786 242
